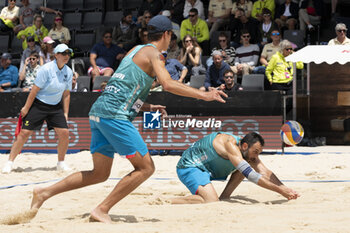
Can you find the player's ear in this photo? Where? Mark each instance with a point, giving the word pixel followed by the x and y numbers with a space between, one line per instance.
pixel 245 146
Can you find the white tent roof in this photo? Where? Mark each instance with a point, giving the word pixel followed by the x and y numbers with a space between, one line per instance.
pixel 322 53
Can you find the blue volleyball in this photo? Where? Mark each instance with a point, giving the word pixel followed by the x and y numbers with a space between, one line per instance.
pixel 292 133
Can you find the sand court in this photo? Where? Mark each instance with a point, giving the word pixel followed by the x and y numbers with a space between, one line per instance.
pixel 320 174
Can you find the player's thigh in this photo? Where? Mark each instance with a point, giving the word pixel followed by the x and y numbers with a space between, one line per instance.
pixel 143 162
pixel 208 193
pixel 102 164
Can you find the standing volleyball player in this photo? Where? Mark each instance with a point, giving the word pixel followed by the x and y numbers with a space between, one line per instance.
pixel 48 100
pixel 112 114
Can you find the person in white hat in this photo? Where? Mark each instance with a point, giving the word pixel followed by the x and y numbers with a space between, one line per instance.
pixel 47 101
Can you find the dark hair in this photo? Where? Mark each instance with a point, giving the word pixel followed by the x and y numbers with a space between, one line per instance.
pixel 127 12
pixel 228 71
pixel 107 31
pixel 154 36
pixel 266 11
pixel 173 36
pixel 244 31
pixel 34 53
pixel 241 9
pixel 251 138
pixel 194 10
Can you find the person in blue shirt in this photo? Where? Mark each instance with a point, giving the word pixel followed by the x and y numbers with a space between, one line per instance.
pixel 111 119
pixel 47 101
pixel 8 73
pixel 215 72
pixel 104 56
pixel 218 155
pixel 176 70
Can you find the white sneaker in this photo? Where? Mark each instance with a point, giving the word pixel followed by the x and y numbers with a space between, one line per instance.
pixel 7 168
pixel 310 27
pixel 62 166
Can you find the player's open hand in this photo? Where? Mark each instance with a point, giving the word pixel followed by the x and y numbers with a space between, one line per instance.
pixel 217 95
pixel 160 108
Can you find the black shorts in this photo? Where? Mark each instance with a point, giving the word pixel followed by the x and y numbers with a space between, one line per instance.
pixel 52 114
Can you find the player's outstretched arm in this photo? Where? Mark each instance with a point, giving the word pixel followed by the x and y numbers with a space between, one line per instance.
pixel 178 88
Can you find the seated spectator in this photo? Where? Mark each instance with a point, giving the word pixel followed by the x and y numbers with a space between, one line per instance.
pixel 279 72
pixel 173 50
pixel 240 21
pixel 196 28
pixel 259 5
pixel 228 52
pixel 218 14
pixel 125 32
pixel 28 73
pixel 176 27
pixel 9 16
pixel 287 15
pixel 246 5
pixel 28 11
pixel 230 85
pixel 176 70
pixel 74 82
pixel 176 8
pixel 58 32
pixel 142 37
pixel 197 4
pixel 247 55
pixel 341 39
pixel 310 13
pixel 153 6
pixel 103 57
pixel 190 56
pixel 37 30
pixel 8 73
pixel 143 20
pixel 268 51
pixel 46 52
pixel 214 76
pixel 266 26
pixel 26 53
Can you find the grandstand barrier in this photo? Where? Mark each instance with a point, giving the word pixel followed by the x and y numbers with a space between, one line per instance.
pixel 176 132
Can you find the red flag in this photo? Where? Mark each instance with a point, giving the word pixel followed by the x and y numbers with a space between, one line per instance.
pixel 19 125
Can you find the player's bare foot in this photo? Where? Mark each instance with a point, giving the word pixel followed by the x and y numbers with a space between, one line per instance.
pixel 99 216
pixel 38 198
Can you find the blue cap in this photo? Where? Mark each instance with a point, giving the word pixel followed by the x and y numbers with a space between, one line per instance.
pixel 61 48
pixel 160 23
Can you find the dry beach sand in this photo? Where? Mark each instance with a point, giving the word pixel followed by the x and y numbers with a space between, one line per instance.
pixel 320 174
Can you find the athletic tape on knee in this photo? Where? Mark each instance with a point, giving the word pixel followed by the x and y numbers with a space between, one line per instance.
pixel 248 172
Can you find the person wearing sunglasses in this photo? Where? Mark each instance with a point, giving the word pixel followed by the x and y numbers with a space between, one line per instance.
pixel 279 72
pixel 258 7
pixel 58 32
pixel 247 55
pixel 8 73
pixel 197 4
pixel 268 51
pixel 341 39
pixel 230 85
pixel 111 119
pixel 27 12
pixel 48 100
pixel 32 47
pixel 197 28
pixel 104 56
pixel 28 73
pixel 287 15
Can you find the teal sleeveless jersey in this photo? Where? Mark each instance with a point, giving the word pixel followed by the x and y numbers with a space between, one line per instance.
pixel 203 155
pixel 125 92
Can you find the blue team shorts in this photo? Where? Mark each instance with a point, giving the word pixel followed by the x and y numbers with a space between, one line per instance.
pixel 193 177
pixel 109 136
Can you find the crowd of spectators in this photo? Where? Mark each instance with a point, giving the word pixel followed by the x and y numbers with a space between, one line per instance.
pixel 241 36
